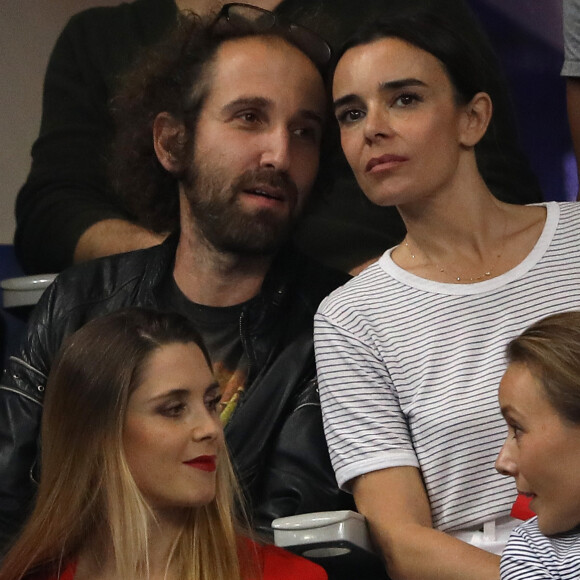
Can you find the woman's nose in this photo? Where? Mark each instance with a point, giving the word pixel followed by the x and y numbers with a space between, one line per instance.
pixel 505 463
pixel 209 428
pixel 377 125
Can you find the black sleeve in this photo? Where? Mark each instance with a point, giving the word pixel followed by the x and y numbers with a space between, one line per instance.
pixel 67 189
pixel 299 476
pixel 21 399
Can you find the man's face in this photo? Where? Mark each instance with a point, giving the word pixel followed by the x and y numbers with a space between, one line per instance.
pixel 256 146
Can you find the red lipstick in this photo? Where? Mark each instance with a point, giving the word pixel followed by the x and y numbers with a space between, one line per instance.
pixel 384 162
pixel 203 462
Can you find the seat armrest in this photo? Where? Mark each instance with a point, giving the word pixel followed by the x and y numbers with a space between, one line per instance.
pixel 323 529
pixel 25 290
pixel 339 541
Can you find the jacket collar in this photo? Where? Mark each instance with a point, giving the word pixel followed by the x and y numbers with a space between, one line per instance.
pixel 277 283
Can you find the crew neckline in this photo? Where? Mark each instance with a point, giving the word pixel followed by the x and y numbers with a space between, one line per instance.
pixel 542 244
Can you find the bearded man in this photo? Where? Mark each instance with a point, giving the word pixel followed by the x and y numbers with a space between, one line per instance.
pixel 220 133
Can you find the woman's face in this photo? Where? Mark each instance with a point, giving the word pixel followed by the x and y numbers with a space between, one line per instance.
pixel 173 436
pixel 400 125
pixel 542 451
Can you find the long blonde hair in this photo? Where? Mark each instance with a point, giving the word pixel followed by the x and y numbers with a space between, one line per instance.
pixel 87 490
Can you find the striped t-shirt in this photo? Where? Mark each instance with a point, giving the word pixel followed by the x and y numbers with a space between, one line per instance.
pixel 529 555
pixel 409 370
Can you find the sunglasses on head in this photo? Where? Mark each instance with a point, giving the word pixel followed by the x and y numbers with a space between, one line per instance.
pixel 248 18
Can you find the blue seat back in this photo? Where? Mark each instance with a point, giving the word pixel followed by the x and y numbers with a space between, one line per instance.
pixel 12 321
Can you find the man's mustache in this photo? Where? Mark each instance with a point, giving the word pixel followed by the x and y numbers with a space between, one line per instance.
pixel 273 178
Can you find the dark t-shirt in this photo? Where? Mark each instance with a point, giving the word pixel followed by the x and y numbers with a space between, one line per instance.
pixel 220 328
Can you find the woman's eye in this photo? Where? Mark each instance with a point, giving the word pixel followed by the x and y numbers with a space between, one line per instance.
pixel 407 99
pixel 516 431
pixel 173 410
pixel 212 404
pixel 349 116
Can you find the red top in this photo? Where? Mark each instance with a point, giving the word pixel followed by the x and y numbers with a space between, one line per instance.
pixel 521 508
pixel 276 563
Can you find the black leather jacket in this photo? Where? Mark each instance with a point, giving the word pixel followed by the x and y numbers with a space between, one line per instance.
pixel 275 435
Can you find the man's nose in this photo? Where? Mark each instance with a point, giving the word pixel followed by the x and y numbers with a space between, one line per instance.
pixel 276 150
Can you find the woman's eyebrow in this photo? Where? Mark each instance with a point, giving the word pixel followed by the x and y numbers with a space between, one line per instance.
pixel 401 84
pixel 384 86
pixel 346 100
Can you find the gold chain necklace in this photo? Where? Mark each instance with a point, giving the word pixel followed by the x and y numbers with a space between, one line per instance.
pixel 458 278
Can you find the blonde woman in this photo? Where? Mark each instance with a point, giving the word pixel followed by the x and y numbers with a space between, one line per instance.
pixel 136 481
pixel 539 396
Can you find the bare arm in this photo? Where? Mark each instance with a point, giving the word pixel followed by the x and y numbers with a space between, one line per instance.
pixel 395 503
pixel 114 236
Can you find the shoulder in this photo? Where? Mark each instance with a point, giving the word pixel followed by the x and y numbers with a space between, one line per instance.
pixel 528 549
pixel 119 15
pixel 100 276
pixel 526 534
pixel 282 565
pixel 372 286
pixel 563 226
pixel 99 286
pixel 564 210
pixel 109 34
pixel 98 19
pixel 67 574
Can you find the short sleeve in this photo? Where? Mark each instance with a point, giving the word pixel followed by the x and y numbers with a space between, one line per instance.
pixel 365 427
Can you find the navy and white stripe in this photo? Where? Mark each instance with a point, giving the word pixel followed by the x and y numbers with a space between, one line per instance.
pixel 529 555
pixel 409 370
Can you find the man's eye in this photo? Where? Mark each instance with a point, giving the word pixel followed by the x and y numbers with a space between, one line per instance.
pixel 310 133
pixel 249 117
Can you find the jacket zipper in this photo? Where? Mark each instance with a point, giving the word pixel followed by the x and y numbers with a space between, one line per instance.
pixel 245 343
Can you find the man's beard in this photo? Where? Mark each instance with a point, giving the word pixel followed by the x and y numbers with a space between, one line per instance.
pixel 221 219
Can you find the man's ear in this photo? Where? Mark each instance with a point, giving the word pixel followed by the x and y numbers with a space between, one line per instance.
pixel 169 141
pixel 477 118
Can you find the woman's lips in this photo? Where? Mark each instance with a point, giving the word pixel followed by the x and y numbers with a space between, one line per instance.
pixel 203 462
pixel 384 162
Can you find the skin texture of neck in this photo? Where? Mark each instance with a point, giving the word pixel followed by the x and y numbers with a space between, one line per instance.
pixel 462 230
pixel 463 216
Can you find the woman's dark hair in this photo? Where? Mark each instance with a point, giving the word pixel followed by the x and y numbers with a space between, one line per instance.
pixel 173 76
pixel 457 41
pixel 469 68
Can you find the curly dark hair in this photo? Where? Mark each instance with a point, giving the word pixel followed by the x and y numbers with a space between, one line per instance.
pixel 173 77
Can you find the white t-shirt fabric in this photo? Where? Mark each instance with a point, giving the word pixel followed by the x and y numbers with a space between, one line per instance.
pixel 529 555
pixel 409 370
